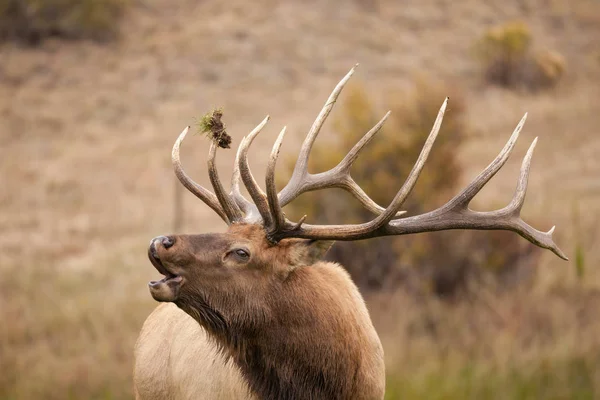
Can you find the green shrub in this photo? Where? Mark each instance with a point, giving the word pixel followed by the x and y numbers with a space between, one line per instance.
pixel 32 21
pixel 440 262
pixel 508 60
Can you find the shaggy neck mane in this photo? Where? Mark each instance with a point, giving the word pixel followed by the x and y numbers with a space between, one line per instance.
pixel 290 352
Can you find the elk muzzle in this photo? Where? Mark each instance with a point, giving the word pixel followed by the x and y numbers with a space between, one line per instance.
pixel 166 289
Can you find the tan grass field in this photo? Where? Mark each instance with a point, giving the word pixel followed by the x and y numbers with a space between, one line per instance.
pixel 85 137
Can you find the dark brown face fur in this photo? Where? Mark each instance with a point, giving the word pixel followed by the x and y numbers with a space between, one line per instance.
pixel 236 263
pixel 296 327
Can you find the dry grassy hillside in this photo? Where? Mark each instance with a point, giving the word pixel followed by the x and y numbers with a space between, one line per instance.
pixel 86 131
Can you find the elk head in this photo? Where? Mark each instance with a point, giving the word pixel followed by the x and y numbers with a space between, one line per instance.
pixel 241 281
pixel 210 275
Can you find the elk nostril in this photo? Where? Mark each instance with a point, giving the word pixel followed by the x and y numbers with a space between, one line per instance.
pixel 167 242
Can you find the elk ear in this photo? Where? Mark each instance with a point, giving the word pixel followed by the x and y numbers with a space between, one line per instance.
pixel 317 249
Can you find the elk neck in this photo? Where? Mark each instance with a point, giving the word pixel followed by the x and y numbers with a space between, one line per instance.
pixel 309 338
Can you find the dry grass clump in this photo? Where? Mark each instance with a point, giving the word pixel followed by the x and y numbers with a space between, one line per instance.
pixel 442 263
pixel 32 21
pixel 507 58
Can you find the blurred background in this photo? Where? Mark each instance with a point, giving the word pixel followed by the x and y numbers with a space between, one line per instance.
pixel 93 94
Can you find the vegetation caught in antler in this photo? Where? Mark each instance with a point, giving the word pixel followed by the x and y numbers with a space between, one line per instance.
pixel 211 125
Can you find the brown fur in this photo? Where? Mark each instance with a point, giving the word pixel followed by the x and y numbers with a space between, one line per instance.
pixel 294 327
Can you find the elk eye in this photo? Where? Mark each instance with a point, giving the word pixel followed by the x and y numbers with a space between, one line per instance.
pixel 241 253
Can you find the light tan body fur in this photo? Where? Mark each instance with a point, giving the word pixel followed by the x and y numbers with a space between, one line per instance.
pixel 175 359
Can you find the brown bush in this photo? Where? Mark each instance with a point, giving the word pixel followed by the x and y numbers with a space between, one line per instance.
pixel 32 21
pixel 508 60
pixel 442 262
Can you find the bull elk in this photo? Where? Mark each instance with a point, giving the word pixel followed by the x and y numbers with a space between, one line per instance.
pixel 255 314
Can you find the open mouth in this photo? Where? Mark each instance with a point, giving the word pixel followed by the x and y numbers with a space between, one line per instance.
pixel 168 276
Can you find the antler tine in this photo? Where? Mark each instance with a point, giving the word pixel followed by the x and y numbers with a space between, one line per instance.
pixel 199 191
pixel 519 198
pixel 230 208
pixel 467 194
pixel 274 205
pixel 301 167
pixel 352 155
pixel 247 207
pixel 256 193
pixel 385 217
pixel 542 239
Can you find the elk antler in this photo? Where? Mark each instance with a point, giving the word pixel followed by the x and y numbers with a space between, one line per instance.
pixel 455 214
